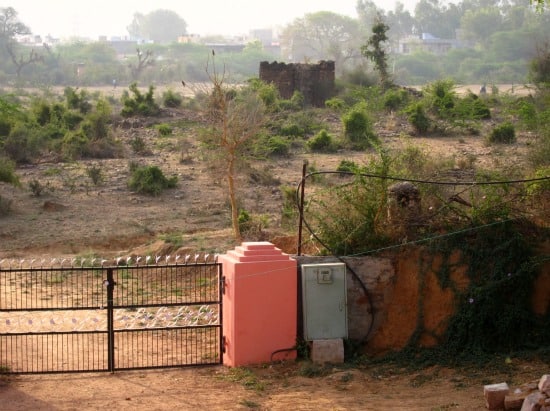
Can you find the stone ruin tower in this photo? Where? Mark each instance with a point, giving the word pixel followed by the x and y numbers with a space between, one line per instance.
pixel 314 81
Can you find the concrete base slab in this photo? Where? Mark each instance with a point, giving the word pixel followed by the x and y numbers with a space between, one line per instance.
pixel 327 351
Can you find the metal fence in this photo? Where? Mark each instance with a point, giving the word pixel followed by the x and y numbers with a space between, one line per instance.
pixel 99 318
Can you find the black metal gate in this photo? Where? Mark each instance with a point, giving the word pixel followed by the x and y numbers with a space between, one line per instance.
pixel 99 318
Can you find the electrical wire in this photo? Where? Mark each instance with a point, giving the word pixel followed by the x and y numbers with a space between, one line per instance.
pixel 383 177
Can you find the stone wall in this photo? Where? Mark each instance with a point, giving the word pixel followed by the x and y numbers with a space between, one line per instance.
pixel 314 81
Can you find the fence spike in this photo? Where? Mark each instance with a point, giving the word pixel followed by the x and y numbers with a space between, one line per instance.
pixel 187 257
pixel 167 258
pixel 118 260
pixel 147 259
pixel 177 258
pixel 82 262
pixel 138 259
pixel 206 257
pixel 128 260
pixel 157 258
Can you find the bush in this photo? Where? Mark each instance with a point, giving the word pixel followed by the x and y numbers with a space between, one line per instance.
pixel 504 133
pixel 171 99
pixel 358 128
pixel 142 104
pixel 335 103
pixel 150 180
pixel 321 142
pixel 417 117
pixel 277 146
pixel 394 99
pixel 7 172
pixel 164 129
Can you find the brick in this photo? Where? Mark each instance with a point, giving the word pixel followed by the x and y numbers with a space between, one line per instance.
pixel 328 351
pixel 494 395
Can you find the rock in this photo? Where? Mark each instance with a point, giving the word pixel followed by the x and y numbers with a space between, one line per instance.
pixel 514 401
pixel 52 206
pixel 533 402
pixel 495 394
pixel 544 383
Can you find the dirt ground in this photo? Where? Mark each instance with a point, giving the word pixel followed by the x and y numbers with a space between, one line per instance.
pixel 268 387
pixel 72 217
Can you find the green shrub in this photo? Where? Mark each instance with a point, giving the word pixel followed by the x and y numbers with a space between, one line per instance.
pixel 95 174
pixel 137 143
pixel 150 180
pixel 348 166
pixel 164 129
pixel 417 117
pixel 138 103
pixel 335 103
pixel 268 93
pixel 7 172
pixel 440 96
pixel 321 142
pixel 395 99
pixel 277 146
pixel 77 101
pixel 504 133
pixel 358 129
pixel 171 99
pixel 292 130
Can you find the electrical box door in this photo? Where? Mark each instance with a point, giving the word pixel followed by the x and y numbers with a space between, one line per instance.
pixel 324 296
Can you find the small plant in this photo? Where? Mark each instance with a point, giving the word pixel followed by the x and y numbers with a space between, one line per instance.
pixel 36 187
pixel 150 180
pixel 164 129
pixel 321 142
pixel 504 133
pixel 95 174
pixel 171 99
pixel 137 143
pixel 5 206
pixel 138 103
pixel 358 128
pixel 417 117
pixel 7 172
pixel 335 103
pixel 395 99
pixel 277 146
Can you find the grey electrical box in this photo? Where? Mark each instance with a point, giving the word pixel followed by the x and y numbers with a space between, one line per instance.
pixel 324 296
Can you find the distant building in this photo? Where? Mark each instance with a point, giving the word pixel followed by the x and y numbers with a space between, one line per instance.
pixel 428 43
pixel 314 81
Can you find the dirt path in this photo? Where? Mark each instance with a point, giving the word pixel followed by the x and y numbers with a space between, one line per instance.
pixel 214 388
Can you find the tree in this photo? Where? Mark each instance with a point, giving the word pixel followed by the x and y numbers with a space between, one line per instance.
pixel 437 19
pixel 143 61
pixel 159 26
pixel 10 26
pixel 479 24
pixel 236 118
pixel 374 50
pixel 322 36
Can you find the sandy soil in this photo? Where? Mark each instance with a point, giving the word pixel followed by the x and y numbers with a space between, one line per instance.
pixel 269 387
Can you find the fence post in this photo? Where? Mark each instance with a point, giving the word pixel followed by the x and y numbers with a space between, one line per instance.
pixel 110 284
pixel 259 304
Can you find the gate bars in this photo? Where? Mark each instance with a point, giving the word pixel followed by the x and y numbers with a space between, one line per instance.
pixel 87 319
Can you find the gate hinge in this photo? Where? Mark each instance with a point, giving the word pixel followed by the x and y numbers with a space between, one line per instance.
pixel 224 343
pixel 223 284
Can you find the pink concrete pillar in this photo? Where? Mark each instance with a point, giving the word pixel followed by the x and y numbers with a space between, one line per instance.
pixel 259 304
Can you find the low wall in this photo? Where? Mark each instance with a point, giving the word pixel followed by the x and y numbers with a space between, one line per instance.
pixel 403 292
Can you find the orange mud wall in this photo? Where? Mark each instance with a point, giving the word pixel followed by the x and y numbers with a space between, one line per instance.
pixel 404 295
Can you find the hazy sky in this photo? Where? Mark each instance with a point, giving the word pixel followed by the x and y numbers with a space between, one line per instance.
pixel 91 18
